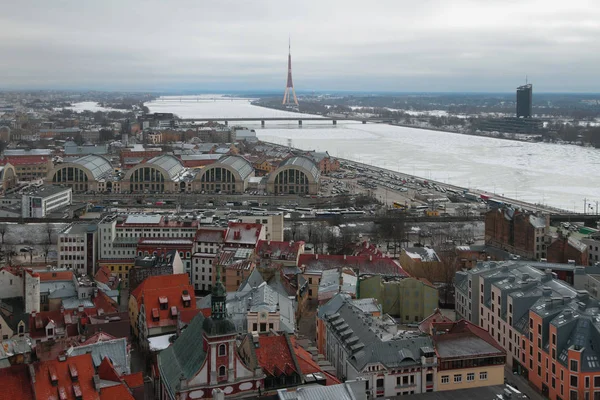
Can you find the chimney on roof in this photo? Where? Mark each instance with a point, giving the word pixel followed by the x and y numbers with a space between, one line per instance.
pixel 583 295
pixel 546 291
pixel 566 299
pixel 568 314
pixel 548 304
pixel 96 382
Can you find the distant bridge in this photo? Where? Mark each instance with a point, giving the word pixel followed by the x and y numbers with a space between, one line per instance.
pixel 299 118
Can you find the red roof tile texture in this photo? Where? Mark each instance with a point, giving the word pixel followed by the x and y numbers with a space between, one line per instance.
pixel 308 365
pixel 368 265
pixel 274 355
pixel 62 373
pixel 15 383
pixel 119 392
pixel 48 276
pixel 174 290
pixel 134 380
pixel 159 281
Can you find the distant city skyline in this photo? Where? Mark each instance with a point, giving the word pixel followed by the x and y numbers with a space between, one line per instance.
pixel 391 46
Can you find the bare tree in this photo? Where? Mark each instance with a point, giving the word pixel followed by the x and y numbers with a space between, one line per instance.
pixel 450 264
pixel 49 229
pixel 3 229
pixel 46 246
pixel 9 250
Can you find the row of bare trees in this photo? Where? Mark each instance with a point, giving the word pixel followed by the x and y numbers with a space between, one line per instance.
pixel 9 248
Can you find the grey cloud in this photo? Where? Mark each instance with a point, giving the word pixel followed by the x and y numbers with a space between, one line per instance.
pixel 431 45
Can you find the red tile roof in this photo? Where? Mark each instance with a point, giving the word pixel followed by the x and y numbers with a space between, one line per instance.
pixel 62 372
pixel 436 317
pixel 116 392
pixel 365 248
pixel 368 265
pixel 47 276
pixel 107 371
pixel 98 337
pixel 27 160
pixel 103 275
pixel 134 380
pixel 187 315
pixel 15 383
pixel 275 356
pixel 308 365
pixel 66 320
pixel 278 250
pixel 159 281
pixel 105 303
pixel 173 289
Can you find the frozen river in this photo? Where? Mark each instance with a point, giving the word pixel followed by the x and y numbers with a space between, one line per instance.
pixel 558 175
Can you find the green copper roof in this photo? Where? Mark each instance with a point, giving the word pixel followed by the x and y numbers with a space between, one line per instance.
pixel 184 357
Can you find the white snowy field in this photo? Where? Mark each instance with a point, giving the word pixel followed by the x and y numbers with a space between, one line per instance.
pixel 91 106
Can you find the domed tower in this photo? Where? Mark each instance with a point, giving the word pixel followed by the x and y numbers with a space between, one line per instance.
pixel 219 337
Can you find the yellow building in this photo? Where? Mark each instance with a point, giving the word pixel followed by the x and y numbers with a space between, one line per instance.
pixel 468 357
pixel 120 268
pixel 423 262
pixel 133 312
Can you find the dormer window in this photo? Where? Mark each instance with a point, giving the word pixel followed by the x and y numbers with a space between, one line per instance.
pixel 164 302
pixel 155 315
pixel 186 298
pixel 174 312
pixel 53 375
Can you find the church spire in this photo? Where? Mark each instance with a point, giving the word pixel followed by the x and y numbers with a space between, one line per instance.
pixel 218 298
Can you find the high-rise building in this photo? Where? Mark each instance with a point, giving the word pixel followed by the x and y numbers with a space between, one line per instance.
pixel 524 101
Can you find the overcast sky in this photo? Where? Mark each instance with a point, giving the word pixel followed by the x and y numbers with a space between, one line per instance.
pixel 377 45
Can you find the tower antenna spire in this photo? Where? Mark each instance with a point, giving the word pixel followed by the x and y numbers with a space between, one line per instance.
pixel 287 96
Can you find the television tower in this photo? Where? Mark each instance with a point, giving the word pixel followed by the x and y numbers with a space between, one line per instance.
pixel 287 96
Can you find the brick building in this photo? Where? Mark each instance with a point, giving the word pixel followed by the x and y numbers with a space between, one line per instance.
pixel 566 250
pixel 518 232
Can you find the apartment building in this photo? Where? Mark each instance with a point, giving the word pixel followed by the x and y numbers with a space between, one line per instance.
pixel 549 330
pixel 119 236
pixel 77 248
pixel 360 345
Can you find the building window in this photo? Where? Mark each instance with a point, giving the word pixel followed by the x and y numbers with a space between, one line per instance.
pixel 470 377
pixel 574 380
pixel 483 375
pixel 445 379
pixel 458 378
pixel 597 381
pixel 574 365
pixel 221 350
pixel 222 371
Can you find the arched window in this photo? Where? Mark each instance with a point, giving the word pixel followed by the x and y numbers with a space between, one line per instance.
pixel 222 350
pixel 222 371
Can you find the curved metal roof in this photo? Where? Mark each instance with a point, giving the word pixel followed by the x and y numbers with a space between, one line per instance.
pixel 240 164
pixel 99 166
pixel 169 163
pixel 303 162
